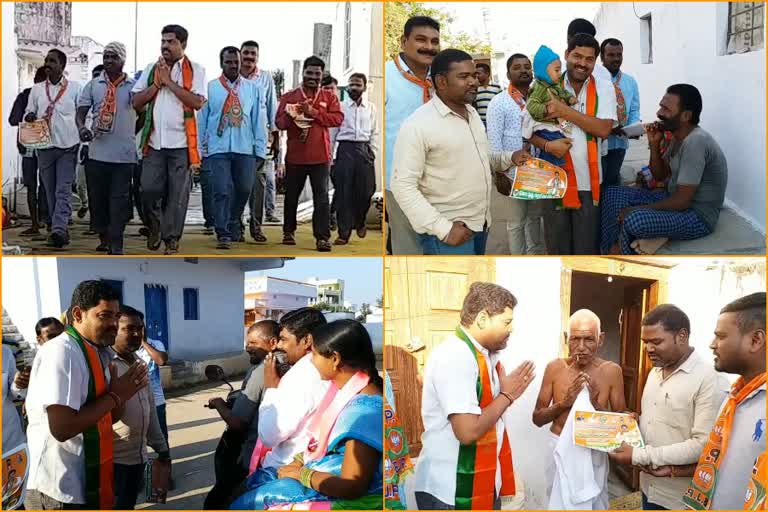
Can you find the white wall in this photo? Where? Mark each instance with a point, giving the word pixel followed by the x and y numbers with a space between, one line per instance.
pixel 10 161
pixel 688 40
pixel 536 285
pixel 220 282
pixel 30 291
pixel 702 289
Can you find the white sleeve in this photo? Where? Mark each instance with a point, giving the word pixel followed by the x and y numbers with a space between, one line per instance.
pixel 199 82
pixel 62 372
pixel 282 411
pixel 606 103
pixel 453 376
pixel 141 83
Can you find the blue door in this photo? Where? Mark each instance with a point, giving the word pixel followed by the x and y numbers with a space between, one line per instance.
pixel 156 313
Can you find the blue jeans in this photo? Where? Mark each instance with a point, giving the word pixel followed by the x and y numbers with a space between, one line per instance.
pixel 647 505
pixel 206 188
pixel 431 245
pixel 269 187
pixel 612 167
pixel 549 157
pixel 128 480
pixel 57 171
pixel 163 421
pixel 232 178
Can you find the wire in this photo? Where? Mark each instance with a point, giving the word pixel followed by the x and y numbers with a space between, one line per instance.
pixel 633 8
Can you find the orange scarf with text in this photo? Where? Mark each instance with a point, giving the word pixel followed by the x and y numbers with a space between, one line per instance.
pixel 425 84
pixel 571 198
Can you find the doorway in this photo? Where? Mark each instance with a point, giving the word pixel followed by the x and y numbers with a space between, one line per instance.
pixel 156 313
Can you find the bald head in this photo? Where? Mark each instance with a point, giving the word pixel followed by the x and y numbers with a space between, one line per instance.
pixel 584 320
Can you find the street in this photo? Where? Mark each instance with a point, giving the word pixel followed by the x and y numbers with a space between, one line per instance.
pixel 194 432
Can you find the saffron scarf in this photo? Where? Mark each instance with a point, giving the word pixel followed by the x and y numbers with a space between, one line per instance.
pixel 517 96
pixel 704 482
pixel 232 112
pixel 571 198
pixel 97 439
pixel 621 105
pixel 105 119
pixel 476 468
pixel 52 101
pixel 190 124
pixel 425 84
pixel 755 497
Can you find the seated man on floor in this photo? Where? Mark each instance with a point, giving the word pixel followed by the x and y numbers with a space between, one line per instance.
pixel 640 221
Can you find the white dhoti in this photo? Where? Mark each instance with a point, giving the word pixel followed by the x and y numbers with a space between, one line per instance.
pixel 581 475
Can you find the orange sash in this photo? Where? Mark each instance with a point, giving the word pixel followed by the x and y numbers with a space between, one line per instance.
pixel 517 96
pixel 425 84
pixel 106 116
pixel 571 198
pixel 755 498
pixel 704 482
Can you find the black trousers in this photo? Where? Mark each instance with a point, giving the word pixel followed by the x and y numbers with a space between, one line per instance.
pixel 295 178
pixel 354 183
pixel 109 188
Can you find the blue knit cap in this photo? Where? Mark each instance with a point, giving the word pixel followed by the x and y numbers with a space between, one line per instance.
pixel 544 56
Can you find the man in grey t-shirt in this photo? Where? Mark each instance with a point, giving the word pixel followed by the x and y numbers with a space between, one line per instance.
pixel 243 418
pixel 640 221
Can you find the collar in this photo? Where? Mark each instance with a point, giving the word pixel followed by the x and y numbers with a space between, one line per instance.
pixel 351 103
pixel 567 82
pixel 687 366
pixel 477 345
pixel 103 78
pixel 405 67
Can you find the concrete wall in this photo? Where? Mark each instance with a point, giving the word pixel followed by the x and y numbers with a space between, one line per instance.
pixel 688 46
pixel 701 289
pixel 220 282
pixel 11 164
pixel 536 285
pixel 43 21
pixel 30 292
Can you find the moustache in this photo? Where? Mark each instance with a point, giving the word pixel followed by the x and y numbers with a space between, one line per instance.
pixel 431 53
pixel 249 59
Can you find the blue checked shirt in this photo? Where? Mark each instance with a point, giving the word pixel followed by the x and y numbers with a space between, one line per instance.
pixel 631 93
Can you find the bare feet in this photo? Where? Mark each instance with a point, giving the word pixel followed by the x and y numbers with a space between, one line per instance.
pixel 648 245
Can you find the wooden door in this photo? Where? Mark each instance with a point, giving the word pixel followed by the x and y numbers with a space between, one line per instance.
pixel 423 299
pixel 637 302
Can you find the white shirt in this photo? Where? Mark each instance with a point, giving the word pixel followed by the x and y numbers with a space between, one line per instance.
pixel 285 411
pixel 360 123
pixel 64 132
pixel 59 377
pixel 606 109
pixel 168 113
pixel 441 169
pixel 13 434
pixel 677 414
pixel 450 377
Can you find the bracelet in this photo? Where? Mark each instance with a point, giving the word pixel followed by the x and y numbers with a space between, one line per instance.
pixel 116 398
pixel 305 476
pixel 299 458
pixel 507 396
pixel 545 146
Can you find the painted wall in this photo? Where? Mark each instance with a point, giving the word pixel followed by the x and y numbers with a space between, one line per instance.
pixel 701 289
pixel 11 164
pixel 30 291
pixel 536 285
pixel 220 282
pixel 688 46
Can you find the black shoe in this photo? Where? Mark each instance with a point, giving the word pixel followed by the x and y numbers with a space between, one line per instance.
pixel 341 241
pixel 224 245
pixel 153 241
pixel 362 231
pixel 30 232
pixel 57 240
pixel 271 219
pixel 70 222
pixel 288 239
pixel 82 211
pixel 90 232
pixel 258 236
pixel 103 246
pixel 144 232
pixel 171 247
pixel 323 246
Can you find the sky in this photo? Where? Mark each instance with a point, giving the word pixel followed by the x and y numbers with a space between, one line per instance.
pixel 211 26
pixel 362 276
pixel 519 27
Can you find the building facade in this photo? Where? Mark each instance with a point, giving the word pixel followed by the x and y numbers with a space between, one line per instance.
pixel 718 47
pixel 192 305
pixel 271 297
pixel 330 291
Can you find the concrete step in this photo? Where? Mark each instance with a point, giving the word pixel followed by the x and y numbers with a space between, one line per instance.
pixel 9 329
pixel 733 235
pixel 14 338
